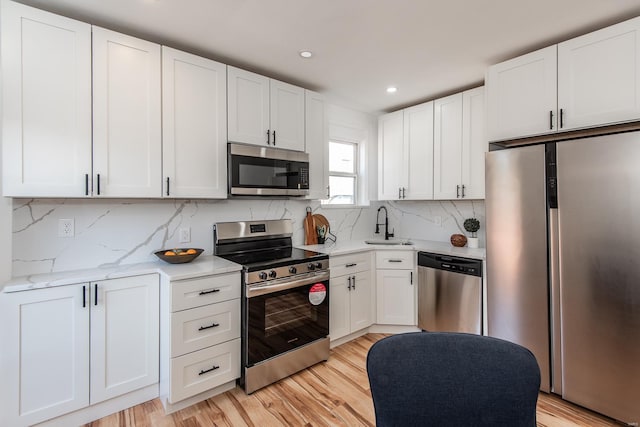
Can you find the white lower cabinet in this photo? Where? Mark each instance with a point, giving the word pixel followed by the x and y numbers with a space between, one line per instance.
pixel 396 290
pixel 65 348
pixel 201 318
pixel 352 296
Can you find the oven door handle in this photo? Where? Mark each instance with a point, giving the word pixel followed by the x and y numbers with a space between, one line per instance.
pixel 286 283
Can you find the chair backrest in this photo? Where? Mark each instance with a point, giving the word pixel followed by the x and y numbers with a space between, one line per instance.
pixel 452 379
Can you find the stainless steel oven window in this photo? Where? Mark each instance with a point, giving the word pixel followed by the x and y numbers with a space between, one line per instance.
pixel 286 312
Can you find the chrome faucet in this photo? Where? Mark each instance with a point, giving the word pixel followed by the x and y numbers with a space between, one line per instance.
pixel 386 223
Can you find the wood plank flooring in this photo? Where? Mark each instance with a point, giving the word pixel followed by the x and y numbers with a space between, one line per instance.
pixel 334 393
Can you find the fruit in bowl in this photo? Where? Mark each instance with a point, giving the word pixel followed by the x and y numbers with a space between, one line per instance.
pixel 179 255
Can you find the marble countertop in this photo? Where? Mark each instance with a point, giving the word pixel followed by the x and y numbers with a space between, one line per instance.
pixel 201 266
pixel 353 246
pixel 208 265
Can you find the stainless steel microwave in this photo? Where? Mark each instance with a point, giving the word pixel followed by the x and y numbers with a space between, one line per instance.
pixel 267 171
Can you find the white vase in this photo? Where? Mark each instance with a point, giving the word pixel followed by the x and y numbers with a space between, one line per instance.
pixel 472 242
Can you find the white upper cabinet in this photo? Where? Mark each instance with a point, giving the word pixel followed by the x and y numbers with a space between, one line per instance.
pixel 127 150
pixel 405 154
pixel 591 80
pixel 46 70
pixel 447 148
pixel 459 146
pixel 317 145
pixel 474 143
pixel 599 77
pixel 418 152
pixel 263 111
pixel 390 157
pixel 194 124
pixel 521 96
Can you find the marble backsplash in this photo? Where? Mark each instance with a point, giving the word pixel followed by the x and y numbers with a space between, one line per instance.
pixel 114 232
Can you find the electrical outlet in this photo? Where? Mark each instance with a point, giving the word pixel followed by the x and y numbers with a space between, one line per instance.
pixel 66 228
pixel 185 235
pixel 437 220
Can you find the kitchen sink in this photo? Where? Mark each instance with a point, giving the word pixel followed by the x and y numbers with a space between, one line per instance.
pixel 388 242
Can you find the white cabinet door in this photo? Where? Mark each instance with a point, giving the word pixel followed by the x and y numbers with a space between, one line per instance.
pixel 317 145
pixel 418 152
pixel 339 307
pixel 124 335
pixel 194 126
pixel 287 115
pixel 127 146
pixel 447 148
pixel 248 107
pixel 46 69
pixel 521 96
pixel 474 143
pixel 44 360
pixel 362 301
pixel 599 77
pixel 396 297
pixel 391 174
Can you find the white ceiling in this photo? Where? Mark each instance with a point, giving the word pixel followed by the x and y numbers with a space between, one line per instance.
pixel 427 48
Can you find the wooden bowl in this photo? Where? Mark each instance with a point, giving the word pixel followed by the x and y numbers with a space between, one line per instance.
pixel 177 258
pixel 458 240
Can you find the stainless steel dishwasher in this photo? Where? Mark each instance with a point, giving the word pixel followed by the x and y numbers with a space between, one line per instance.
pixel 449 293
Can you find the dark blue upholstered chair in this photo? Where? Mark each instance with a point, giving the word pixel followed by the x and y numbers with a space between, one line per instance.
pixel 451 379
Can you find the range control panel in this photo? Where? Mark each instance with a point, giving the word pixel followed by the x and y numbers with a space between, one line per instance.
pixel 470 266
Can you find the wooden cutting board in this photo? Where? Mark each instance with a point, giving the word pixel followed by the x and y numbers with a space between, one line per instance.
pixel 310 234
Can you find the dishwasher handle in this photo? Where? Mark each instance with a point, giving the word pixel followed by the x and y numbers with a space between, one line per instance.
pixel 468 266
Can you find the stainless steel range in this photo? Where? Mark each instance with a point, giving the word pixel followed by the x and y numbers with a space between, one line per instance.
pixel 285 299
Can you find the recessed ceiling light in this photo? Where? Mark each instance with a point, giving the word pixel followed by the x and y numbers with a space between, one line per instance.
pixel 306 53
pixel 392 89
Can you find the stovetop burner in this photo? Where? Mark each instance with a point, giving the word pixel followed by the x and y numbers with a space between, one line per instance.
pixel 277 257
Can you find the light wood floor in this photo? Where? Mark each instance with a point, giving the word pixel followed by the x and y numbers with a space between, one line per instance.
pixel 334 393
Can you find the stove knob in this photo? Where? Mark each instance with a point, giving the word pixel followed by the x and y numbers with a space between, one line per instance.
pixel 318 265
pixel 272 274
pixel 262 275
pixel 311 267
pixel 293 270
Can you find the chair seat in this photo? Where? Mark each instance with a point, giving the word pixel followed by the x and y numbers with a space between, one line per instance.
pixel 452 379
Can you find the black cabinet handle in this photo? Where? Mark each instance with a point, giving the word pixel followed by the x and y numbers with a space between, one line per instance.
pixel 463 191
pixel 399 193
pixel 274 137
pixel 84 296
pixel 351 265
pixel 395 260
pixel 349 282
pixel 411 278
pixel 98 179
pixel 457 191
pixel 561 118
pixel 551 119
pixel 268 137
pixel 404 196
pixel 86 184
pixel 167 186
pixel 204 371
pixel 213 325
pixel 212 291
pixel 95 291
pixel 353 283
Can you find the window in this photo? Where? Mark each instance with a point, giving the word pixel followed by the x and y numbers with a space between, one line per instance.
pixel 343 173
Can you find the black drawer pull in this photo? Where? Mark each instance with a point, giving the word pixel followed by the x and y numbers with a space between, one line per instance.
pixel 213 325
pixel 395 260
pixel 351 265
pixel 212 291
pixel 204 371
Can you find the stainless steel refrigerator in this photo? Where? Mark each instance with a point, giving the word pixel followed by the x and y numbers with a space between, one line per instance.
pixel 563 265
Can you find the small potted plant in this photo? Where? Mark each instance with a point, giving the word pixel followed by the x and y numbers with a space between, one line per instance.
pixel 472 225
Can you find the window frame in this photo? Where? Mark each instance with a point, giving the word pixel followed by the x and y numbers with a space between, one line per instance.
pixel 355 174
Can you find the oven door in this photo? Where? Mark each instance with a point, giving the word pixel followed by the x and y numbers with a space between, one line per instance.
pixel 267 171
pixel 284 315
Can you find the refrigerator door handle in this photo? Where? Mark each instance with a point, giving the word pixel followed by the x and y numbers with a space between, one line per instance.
pixel 554 280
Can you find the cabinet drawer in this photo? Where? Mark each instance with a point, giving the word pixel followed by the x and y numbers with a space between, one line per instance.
pixel 204 290
pixel 350 264
pixel 196 372
pixel 204 326
pixel 398 260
